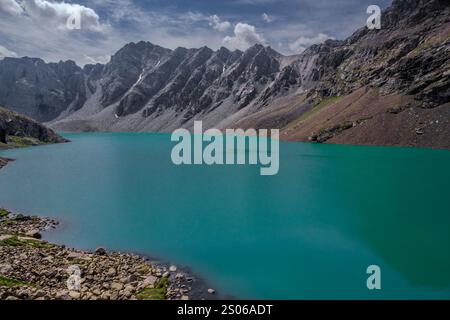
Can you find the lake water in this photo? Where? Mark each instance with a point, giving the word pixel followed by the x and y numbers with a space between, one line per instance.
pixel 309 232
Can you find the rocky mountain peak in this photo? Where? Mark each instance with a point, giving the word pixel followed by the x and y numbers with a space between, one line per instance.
pixel 411 12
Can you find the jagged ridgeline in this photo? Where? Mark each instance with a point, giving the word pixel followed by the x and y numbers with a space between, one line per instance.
pixel 388 86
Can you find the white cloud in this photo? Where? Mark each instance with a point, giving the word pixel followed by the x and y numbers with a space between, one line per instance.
pixel 302 43
pixel 10 7
pixel 5 52
pixel 245 36
pixel 56 14
pixel 32 36
pixel 218 24
pixel 97 59
pixel 267 18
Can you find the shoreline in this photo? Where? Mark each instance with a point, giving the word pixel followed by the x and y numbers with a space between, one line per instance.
pixel 4 161
pixel 287 140
pixel 34 269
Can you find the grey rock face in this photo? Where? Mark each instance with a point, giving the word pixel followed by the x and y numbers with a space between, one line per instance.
pixel 40 90
pixel 13 124
pixel 149 88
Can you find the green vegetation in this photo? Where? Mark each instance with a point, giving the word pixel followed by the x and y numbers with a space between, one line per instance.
pixel 21 142
pixel 3 213
pixel 323 103
pixel 17 242
pixel 157 293
pixel 15 219
pixel 8 282
pixel 421 47
pixel 326 101
pixel 9 222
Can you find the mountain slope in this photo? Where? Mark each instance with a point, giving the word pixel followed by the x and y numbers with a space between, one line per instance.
pixel 394 83
pixel 387 87
pixel 16 128
pixel 40 90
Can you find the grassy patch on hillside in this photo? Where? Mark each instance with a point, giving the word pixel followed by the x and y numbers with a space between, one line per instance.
pixel 323 103
pixel 327 101
pixel 21 142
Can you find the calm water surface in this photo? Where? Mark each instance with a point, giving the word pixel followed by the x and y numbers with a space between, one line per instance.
pixel 309 232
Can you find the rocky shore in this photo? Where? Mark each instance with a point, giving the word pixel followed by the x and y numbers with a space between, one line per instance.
pixel 4 162
pixel 34 269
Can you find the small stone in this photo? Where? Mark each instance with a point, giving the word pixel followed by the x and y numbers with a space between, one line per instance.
pixel 12 298
pixel 62 295
pixel 166 275
pixel 48 259
pixel 40 294
pixel 74 255
pixel 211 291
pixel 184 297
pixel 172 268
pixel 105 295
pixel 5 268
pixel 116 286
pixel 74 294
pixel 132 278
pixel 114 296
pixel 129 288
pixel 111 272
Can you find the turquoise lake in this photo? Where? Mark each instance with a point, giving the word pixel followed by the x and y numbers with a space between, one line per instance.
pixel 309 232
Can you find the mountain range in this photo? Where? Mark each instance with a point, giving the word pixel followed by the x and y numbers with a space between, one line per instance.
pixel 377 87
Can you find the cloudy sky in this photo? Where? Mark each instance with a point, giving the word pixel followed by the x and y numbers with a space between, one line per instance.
pixel 89 31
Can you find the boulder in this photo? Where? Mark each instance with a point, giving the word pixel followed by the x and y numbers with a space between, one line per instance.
pixel 34 234
pixel 149 282
pixel 100 251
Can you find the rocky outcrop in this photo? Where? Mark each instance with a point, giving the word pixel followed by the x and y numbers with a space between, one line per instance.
pixel 4 162
pixel 14 125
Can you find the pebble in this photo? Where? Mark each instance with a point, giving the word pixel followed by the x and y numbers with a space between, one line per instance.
pixel 172 268
pixel 211 291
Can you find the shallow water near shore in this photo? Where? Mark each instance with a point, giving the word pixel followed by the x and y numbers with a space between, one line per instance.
pixel 309 232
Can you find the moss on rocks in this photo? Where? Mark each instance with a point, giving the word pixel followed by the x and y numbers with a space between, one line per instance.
pixel 157 293
pixel 22 142
pixel 3 213
pixel 15 241
pixel 9 282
